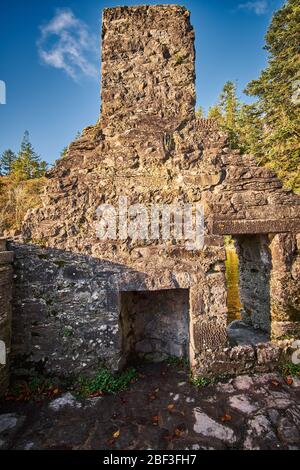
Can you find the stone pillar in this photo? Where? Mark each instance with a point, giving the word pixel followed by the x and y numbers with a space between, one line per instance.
pixel 6 258
pixel 285 286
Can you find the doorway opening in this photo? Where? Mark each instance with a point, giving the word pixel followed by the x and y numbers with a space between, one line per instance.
pixel 248 267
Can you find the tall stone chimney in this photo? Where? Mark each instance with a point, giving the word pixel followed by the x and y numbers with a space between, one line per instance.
pixel 148 72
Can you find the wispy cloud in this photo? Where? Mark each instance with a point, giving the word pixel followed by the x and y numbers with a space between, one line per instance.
pixel 258 7
pixel 66 43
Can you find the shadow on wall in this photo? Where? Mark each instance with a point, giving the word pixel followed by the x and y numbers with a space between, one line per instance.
pixel 66 313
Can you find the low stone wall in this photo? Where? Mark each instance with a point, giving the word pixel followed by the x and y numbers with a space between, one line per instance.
pixel 6 259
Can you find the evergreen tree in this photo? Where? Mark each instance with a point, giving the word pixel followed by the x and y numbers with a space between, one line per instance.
pixel 250 128
pixel 7 159
pixel 63 153
pixel 215 113
pixel 28 163
pixel 200 113
pixel 226 113
pixel 277 92
pixel 229 106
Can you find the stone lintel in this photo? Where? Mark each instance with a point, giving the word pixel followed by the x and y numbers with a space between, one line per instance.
pixel 239 227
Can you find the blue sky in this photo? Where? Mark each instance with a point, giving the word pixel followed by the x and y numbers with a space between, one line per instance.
pixel 54 97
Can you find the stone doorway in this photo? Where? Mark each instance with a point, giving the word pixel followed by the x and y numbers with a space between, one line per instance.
pixel 154 324
pixel 248 271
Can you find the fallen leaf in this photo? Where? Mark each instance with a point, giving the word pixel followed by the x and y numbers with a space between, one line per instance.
pixel 289 380
pixel 116 434
pixel 155 420
pixel 96 394
pixel 275 383
pixel 177 432
pixel 226 417
pixel 110 442
pixel 152 397
pixel 156 390
pixel 55 391
pixel 170 407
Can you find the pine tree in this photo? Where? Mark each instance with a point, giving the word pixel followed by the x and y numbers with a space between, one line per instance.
pixel 277 92
pixel 226 113
pixel 229 106
pixel 250 128
pixel 7 159
pixel 215 113
pixel 28 163
pixel 200 113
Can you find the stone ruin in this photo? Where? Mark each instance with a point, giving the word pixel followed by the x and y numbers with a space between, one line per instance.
pixel 80 301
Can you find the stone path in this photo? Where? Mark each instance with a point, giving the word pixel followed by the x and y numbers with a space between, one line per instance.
pixel 162 411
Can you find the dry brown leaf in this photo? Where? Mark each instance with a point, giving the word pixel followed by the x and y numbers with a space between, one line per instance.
pixel 275 383
pixel 170 407
pixel 155 420
pixel 110 442
pixel 116 434
pixel 226 417
pixel 289 380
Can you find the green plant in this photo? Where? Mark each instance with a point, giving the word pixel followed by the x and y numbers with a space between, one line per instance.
pixel 179 362
pixel 200 381
pixel 67 332
pixel 37 388
pixel 106 382
pixel 178 59
pixel 291 369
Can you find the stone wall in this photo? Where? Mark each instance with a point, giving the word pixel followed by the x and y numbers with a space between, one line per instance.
pixel 285 287
pixel 6 281
pixel 255 266
pixel 147 146
pixel 67 307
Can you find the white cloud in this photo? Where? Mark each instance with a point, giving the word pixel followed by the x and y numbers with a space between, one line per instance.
pixel 258 7
pixel 65 43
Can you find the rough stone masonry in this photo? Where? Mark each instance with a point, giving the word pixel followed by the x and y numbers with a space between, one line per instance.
pixel 80 301
pixel 6 273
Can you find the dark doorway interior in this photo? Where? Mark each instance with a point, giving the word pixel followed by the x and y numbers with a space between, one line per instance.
pixel 155 324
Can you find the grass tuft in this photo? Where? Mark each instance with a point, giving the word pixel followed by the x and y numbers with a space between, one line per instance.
pixel 106 382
